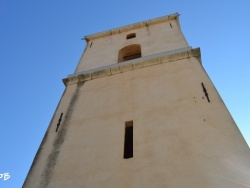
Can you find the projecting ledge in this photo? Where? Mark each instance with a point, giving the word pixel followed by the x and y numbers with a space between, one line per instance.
pixel 131 65
pixel 131 27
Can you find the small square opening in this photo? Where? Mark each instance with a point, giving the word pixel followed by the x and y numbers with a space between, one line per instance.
pixel 131 35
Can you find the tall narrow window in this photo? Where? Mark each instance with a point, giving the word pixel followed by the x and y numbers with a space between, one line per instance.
pixel 129 52
pixel 128 142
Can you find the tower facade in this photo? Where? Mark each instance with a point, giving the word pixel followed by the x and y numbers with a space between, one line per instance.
pixel 140 111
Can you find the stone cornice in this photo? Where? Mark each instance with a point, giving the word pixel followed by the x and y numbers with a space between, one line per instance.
pixel 131 27
pixel 139 63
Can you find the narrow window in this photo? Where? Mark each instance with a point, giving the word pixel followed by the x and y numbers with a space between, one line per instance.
pixel 129 52
pixel 128 142
pixel 131 35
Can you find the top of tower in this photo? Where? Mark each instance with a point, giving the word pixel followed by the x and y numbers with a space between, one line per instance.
pixel 131 27
pixel 134 41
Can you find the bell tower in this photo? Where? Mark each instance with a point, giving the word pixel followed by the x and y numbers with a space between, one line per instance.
pixel 140 111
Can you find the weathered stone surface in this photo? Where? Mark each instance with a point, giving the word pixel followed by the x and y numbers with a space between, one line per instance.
pixel 81 77
pixel 87 77
pixel 101 73
pixel 119 68
pixel 162 38
pixel 138 65
pixel 150 62
pixel 127 67
pixel 180 139
pixel 115 70
pixel 72 80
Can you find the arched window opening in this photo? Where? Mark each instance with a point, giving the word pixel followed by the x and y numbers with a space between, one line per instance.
pixel 129 52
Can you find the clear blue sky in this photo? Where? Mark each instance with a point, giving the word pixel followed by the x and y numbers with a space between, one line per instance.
pixel 40 43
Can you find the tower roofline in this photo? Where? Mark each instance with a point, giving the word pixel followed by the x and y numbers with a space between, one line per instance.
pixel 132 27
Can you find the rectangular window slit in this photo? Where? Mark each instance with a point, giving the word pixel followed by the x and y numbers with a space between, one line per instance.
pixel 90 44
pixel 131 35
pixel 128 142
pixel 59 121
pixel 205 91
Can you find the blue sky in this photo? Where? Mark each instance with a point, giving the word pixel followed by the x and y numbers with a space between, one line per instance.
pixel 40 43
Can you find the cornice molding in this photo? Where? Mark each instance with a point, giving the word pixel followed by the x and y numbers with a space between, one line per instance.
pixel 132 65
pixel 131 27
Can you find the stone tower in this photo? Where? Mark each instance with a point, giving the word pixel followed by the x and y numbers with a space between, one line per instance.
pixel 140 111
